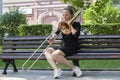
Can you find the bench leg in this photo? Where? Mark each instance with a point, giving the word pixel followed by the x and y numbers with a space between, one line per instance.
pixel 14 66
pixel 7 62
pixel 6 66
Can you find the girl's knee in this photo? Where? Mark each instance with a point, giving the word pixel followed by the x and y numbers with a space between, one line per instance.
pixel 55 55
pixel 50 50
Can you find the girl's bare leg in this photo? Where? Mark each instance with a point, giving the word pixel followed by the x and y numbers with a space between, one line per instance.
pixel 58 55
pixel 48 54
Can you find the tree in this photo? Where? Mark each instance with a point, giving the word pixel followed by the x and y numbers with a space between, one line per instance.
pixel 78 3
pixel 102 12
pixel 116 1
pixel 103 16
pixel 11 20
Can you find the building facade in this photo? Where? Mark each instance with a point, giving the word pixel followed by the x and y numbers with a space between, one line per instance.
pixel 39 11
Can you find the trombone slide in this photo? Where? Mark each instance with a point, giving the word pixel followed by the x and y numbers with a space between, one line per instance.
pixel 36 51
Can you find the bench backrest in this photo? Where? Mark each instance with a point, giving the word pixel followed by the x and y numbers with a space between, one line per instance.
pixel 100 43
pixel 88 44
pixel 108 42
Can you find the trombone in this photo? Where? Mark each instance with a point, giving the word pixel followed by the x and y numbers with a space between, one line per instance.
pixel 76 14
pixel 36 51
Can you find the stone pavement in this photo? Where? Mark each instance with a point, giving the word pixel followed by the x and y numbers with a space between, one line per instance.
pixel 48 75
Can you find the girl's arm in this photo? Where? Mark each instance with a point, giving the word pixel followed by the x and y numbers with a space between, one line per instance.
pixel 54 36
pixel 75 29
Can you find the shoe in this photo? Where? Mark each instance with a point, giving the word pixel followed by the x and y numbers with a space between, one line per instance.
pixel 74 75
pixel 57 73
pixel 77 71
pixel 15 70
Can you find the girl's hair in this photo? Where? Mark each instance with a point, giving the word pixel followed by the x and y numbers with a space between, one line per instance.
pixel 70 9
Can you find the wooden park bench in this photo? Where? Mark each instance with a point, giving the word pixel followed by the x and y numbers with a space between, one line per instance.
pixel 92 47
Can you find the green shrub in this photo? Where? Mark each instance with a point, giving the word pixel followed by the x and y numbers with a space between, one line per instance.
pixel 35 30
pixel 103 29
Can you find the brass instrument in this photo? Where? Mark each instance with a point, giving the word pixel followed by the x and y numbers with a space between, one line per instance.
pixel 65 28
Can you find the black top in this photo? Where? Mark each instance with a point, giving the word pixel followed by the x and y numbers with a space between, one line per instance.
pixel 71 40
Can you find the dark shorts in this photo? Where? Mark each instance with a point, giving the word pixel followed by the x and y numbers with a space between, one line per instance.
pixel 68 51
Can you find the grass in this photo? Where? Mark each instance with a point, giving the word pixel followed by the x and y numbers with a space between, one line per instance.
pixel 104 64
pixel 84 64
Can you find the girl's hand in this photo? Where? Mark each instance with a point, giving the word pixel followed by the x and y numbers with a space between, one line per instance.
pixel 50 40
pixel 53 37
pixel 73 30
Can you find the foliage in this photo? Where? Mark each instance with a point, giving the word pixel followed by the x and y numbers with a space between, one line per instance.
pixel 95 12
pixel 102 12
pixel 102 29
pixel 35 30
pixel 10 21
pixel 78 3
pixel 116 1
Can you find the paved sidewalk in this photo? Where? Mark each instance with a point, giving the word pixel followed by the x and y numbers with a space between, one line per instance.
pixel 48 75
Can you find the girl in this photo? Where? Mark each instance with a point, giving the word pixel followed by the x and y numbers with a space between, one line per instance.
pixel 69 45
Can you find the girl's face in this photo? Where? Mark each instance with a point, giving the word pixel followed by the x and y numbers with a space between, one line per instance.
pixel 66 15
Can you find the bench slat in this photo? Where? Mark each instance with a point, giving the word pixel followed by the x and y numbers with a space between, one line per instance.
pixel 80 51
pixel 81 37
pixel 100 41
pixel 117 56
pixel 28 42
pixel 99 37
